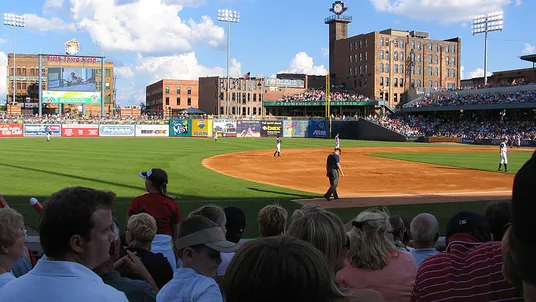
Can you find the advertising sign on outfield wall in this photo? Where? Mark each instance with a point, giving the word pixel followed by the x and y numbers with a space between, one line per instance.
pixel 318 129
pixel 271 128
pixel 202 128
pixel 116 130
pixel 180 127
pixel 294 128
pixel 41 130
pixel 80 130
pixel 152 130
pixel 10 130
pixel 225 127
pixel 248 128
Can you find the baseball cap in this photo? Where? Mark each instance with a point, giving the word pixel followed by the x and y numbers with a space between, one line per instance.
pixel 236 222
pixel 156 175
pixel 211 237
pixel 467 222
pixel 523 203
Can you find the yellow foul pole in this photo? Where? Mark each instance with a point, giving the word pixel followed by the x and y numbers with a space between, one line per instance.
pixel 328 101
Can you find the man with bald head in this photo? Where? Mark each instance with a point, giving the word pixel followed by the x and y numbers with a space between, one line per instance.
pixel 425 231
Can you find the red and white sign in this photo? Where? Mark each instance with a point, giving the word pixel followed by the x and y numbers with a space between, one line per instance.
pixel 70 59
pixel 10 130
pixel 80 130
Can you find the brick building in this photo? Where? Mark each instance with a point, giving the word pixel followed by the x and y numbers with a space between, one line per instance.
pixel 503 77
pixel 27 78
pixel 245 96
pixel 168 97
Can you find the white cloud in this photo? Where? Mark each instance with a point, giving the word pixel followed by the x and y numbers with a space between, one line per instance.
pixel 3 70
pixel 445 11
pixel 325 52
pixel 529 49
pixel 302 63
pixel 2 41
pixel 462 72
pixel 478 73
pixel 34 22
pixel 51 5
pixel 124 72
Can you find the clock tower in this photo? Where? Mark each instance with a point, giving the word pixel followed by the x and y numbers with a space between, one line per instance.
pixel 338 29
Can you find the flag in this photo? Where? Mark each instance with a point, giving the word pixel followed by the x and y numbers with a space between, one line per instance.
pixel 247 76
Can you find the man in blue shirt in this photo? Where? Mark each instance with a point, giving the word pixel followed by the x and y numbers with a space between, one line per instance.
pixel 333 167
pixel 75 233
pixel 424 231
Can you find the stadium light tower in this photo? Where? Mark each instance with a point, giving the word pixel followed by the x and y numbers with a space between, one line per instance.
pixel 229 16
pixel 484 24
pixel 14 21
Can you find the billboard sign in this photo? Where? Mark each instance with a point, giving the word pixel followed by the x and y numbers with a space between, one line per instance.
pixel 285 83
pixel 318 129
pixel 202 128
pixel 116 130
pixel 152 130
pixel 294 128
pixel 179 127
pixel 41 129
pixel 225 127
pixel 10 130
pixel 80 130
pixel 72 47
pixel 271 128
pixel 248 128
pixel 72 79
pixel 71 97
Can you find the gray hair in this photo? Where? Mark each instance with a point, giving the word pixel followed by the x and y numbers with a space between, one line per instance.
pixel 423 228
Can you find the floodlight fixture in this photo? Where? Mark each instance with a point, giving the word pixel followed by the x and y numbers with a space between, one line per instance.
pixel 484 24
pixel 14 21
pixel 229 16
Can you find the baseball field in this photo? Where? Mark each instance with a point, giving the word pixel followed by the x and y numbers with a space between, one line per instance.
pixel 408 178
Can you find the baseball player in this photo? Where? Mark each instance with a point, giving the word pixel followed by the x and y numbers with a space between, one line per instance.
pixel 337 142
pixel 215 135
pixel 333 170
pixel 48 137
pixel 277 147
pixel 504 155
pixel 519 140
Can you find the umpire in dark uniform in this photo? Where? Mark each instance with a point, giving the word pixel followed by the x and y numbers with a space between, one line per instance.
pixel 333 167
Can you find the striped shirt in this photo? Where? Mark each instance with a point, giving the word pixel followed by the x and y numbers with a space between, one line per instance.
pixel 467 271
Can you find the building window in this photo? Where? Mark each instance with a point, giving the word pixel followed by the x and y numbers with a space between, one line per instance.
pixel 350 59
pixel 350 71
pixel 430 72
pixel 412 83
pixel 355 70
pixel 436 47
pixel 430 84
pixel 395 42
pixel 108 72
pixel 447 48
pixel 366 71
pixel 430 46
pixel 453 60
pixel 395 82
pixel 401 82
pixel 419 83
pixel 436 71
pixel 366 56
pixel 355 58
pixel 396 68
pixel 401 68
pixel 448 60
pixel 387 55
pixel 189 90
pixel 401 43
pixel 381 67
pixel 233 97
pixel 167 89
pixel 412 57
pixel 189 101
pixel 221 110
pixel 436 59
pixel 360 57
pixel 381 55
pixel 419 70
pixel 419 45
pixel 386 81
pixel 412 69
pixel 387 67
pixel 454 73
pixel 395 55
pixel 233 110
pixel 167 101
pixel 386 41
pixel 381 81
pixel 382 42
pixel 254 97
pixel 366 42
pixel 448 73
pixel 430 57
pixel 243 98
pixel 107 86
pixel 360 43
pixel 435 84
pixel 419 59
pixel 355 45
pixel 178 89
pixel 351 48
pixel 453 48
pixel 179 99
pixel 401 56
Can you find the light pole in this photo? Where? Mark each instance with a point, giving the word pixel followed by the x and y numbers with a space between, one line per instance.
pixel 14 21
pixel 485 24
pixel 229 16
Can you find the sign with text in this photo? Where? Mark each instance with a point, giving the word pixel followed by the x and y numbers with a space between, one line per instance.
pixel 225 127
pixel 180 127
pixel 294 128
pixel 310 104
pixel 318 129
pixel 116 130
pixel 284 83
pixel 41 130
pixel 74 59
pixel 271 128
pixel 248 128
pixel 10 130
pixel 152 130
pixel 80 130
pixel 201 128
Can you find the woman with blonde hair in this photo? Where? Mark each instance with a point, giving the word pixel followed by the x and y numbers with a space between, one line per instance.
pixel 373 262
pixel 11 242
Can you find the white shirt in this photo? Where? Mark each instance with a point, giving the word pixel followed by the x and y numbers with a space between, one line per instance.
pixel 504 148
pixel 188 285
pixel 5 278
pixel 225 261
pixel 60 281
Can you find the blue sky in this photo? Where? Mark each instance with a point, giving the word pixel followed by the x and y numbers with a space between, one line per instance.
pixel 151 39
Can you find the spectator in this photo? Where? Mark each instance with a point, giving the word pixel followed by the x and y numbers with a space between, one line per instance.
pixel 470 269
pixel 325 231
pixel 140 232
pixel 280 268
pixel 75 233
pixel 497 215
pixel 11 242
pixel 236 222
pixel 214 213
pixel 272 220
pixel 373 261
pixel 399 231
pixel 135 290
pixel 199 244
pixel 424 230
pixel 164 210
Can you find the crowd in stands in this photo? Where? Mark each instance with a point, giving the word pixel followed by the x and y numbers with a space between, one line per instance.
pixel 441 100
pixel 319 95
pixel 76 119
pixel 311 256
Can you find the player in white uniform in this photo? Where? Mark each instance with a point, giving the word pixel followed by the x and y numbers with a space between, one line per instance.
pixel 337 142
pixel 277 147
pixel 48 137
pixel 504 155
pixel 215 135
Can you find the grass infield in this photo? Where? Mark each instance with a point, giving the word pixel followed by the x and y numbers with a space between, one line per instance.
pixel 32 168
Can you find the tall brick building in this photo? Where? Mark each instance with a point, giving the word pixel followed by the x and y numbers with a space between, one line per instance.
pixel 168 97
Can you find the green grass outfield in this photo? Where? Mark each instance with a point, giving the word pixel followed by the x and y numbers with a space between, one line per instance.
pixel 31 168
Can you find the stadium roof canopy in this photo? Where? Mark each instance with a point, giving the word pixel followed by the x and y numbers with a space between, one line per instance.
pixel 529 58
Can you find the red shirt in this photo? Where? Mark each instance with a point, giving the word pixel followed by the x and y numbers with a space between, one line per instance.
pixel 164 210
pixel 467 271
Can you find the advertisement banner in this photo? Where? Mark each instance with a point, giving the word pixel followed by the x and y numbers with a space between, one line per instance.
pixel 248 128
pixel 225 127
pixel 271 128
pixel 10 130
pixel 284 83
pixel 41 130
pixel 294 128
pixel 80 130
pixel 202 128
pixel 318 129
pixel 152 130
pixel 116 130
pixel 180 127
pixel 71 97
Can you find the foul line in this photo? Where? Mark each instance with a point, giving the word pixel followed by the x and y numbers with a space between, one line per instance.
pixel 484 193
